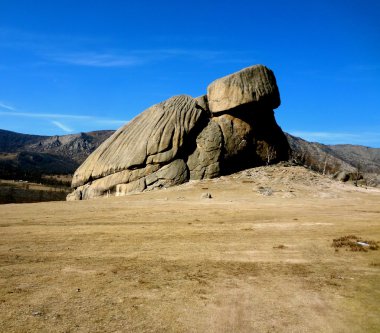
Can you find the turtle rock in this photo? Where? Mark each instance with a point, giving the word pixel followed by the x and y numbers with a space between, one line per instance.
pixel 183 138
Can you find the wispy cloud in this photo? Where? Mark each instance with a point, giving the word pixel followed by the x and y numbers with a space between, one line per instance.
pixel 364 67
pixel 6 106
pixel 180 52
pixel 363 138
pixel 55 117
pixel 103 53
pixel 43 115
pixel 353 73
pixel 111 122
pixel 324 135
pixel 130 58
pixel 97 59
pixel 63 127
pixel 40 42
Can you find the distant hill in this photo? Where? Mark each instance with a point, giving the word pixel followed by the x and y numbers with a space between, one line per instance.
pixel 73 146
pixel 24 156
pixel 366 158
pixel 31 165
pixel 335 158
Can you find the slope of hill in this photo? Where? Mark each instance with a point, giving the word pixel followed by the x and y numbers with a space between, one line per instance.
pixel 364 158
pixel 332 158
pixel 11 142
pixel 24 156
pixel 73 146
pixel 31 165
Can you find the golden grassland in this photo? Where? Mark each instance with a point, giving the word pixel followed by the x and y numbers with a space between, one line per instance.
pixel 257 257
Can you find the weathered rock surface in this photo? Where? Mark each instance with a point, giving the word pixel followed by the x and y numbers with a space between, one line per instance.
pixel 202 102
pixel 237 134
pixel 184 138
pixel 205 159
pixel 252 84
pixel 153 137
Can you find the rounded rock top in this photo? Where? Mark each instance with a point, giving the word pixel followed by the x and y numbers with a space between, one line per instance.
pixel 252 84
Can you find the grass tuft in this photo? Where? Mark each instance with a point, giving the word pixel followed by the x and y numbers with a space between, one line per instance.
pixel 352 243
pixel 281 247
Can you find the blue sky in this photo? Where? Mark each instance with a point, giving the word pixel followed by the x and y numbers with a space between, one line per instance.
pixel 72 66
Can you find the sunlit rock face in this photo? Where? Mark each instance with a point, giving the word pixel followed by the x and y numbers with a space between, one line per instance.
pixel 183 138
pixel 255 84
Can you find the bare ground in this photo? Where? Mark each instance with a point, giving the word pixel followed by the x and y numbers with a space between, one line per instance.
pixel 169 261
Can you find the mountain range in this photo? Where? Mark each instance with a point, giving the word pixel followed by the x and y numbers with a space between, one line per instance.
pixel 24 156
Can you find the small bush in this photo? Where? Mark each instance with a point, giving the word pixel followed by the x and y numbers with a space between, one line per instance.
pixel 352 243
pixel 281 247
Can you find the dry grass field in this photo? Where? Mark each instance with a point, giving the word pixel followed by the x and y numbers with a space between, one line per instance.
pixel 256 257
pixel 12 191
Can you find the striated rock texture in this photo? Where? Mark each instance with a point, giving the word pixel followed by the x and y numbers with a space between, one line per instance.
pixel 184 138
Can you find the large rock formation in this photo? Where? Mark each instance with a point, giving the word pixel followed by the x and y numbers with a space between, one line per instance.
pixel 229 129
